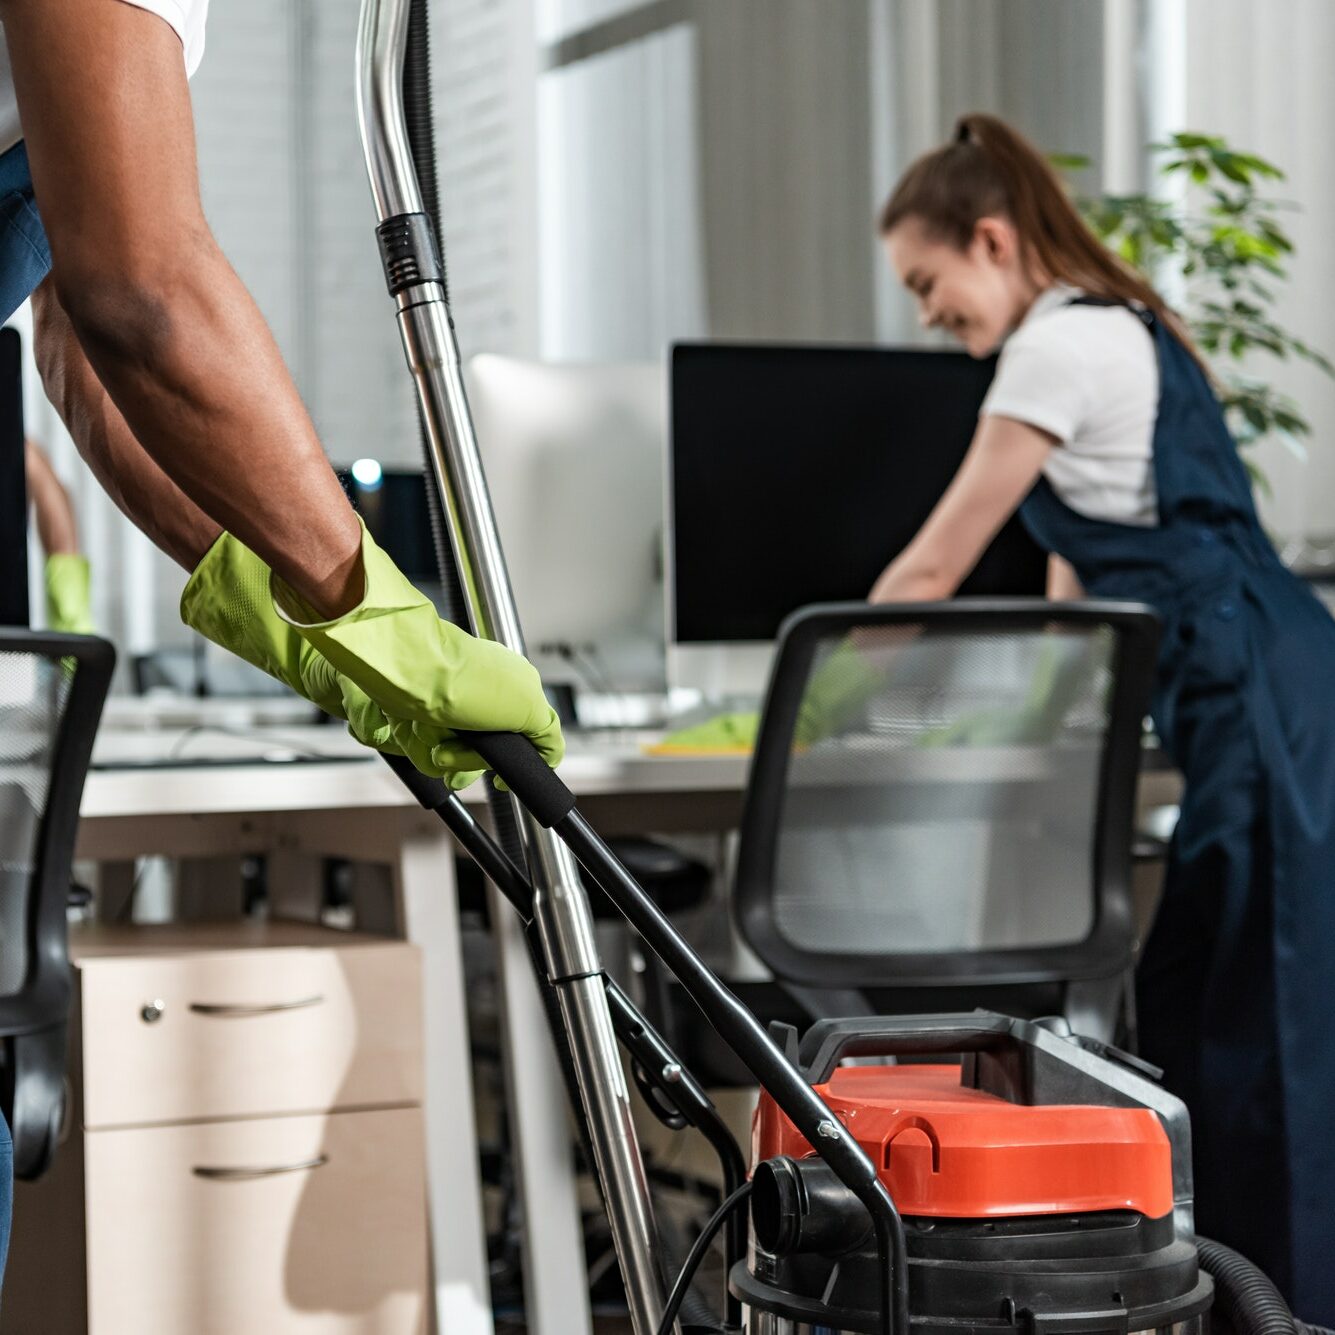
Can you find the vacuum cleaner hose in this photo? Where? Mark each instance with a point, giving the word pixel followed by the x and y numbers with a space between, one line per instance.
pixel 1245 1302
pixel 417 117
pixel 422 144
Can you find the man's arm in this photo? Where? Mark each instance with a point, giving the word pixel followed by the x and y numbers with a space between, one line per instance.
pixel 57 530
pixel 144 493
pixel 166 325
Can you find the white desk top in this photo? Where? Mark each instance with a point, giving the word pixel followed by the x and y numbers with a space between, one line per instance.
pixel 266 773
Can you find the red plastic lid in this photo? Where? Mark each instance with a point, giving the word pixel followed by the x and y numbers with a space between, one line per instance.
pixel 952 1152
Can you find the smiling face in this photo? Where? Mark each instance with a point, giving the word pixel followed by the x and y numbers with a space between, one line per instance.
pixel 977 294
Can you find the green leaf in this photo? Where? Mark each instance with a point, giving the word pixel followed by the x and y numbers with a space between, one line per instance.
pixel 1260 166
pixel 1190 139
pixel 1231 166
pixel 1256 416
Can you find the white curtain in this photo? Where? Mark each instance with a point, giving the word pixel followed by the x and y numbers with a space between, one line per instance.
pixel 1260 74
pixel 619 239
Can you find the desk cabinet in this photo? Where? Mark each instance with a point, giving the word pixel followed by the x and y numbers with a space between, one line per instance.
pixel 246 1145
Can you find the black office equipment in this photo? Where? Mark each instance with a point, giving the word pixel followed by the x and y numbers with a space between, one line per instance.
pixel 13 487
pixel 393 505
pixel 797 473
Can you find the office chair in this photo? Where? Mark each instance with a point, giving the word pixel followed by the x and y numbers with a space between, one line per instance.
pixel 939 811
pixel 52 688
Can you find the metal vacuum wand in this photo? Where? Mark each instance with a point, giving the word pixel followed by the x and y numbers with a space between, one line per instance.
pixel 415 276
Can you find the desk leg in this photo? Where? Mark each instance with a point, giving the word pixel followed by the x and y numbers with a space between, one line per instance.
pixel 556 1295
pixel 115 891
pixel 296 884
pixel 454 1192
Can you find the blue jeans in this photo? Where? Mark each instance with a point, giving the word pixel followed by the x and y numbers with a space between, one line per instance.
pixel 25 257
pixel 6 1191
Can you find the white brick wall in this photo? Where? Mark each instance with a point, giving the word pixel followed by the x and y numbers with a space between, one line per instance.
pixel 285 187
pixel 481 101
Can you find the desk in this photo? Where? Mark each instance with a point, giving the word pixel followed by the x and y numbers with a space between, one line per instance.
pixel 352 806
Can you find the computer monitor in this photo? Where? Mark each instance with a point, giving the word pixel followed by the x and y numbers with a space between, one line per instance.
pixel 796 474
pixel 13 487
pixel 574 456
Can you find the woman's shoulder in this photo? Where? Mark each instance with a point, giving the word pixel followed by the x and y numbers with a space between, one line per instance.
pixel 1070 327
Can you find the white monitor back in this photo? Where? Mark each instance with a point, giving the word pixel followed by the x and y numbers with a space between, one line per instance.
pixel 575 462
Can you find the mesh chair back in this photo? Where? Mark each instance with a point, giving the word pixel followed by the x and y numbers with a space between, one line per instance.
pixel 52 688
pixel 942 794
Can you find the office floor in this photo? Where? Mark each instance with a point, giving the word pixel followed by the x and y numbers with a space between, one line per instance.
pixel 680 1165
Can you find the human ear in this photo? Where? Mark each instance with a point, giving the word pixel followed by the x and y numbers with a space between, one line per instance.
pixel 994 239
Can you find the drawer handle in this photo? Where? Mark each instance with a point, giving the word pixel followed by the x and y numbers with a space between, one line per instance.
pixel 232 1012
pixel 248 1174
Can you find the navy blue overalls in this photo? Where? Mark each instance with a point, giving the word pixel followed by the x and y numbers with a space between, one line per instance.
pixel 1236 988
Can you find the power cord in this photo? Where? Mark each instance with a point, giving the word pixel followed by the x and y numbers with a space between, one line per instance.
pixel 696 1255
pixel 176 751
pixel 587 664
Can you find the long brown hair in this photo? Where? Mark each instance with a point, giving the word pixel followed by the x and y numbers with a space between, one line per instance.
pixel 989 170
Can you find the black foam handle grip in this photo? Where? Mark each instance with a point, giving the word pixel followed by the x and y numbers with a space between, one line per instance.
pixel 431 793
pixel 532 780
pixel 829 1041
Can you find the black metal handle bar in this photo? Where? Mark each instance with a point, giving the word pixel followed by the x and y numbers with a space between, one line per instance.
pixel 517 761
pixel 653 1055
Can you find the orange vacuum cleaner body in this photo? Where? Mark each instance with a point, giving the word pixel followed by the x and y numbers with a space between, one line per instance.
pixel 1044 1185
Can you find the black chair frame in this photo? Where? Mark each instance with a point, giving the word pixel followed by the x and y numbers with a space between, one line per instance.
pixel 1105 951
pixel 33 1020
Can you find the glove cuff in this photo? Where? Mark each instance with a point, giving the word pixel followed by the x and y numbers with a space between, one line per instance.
pixel 385 588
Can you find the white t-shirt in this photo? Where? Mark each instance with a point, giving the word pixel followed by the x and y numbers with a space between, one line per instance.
pixel 186 18
pixel 1088 375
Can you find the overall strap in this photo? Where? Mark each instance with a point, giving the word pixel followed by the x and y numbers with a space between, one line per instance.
pixel 1089 299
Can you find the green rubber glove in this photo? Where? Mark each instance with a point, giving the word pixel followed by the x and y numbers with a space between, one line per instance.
pixel 227 600
pixel 1061 672
pixel 834 694
pixel 68 602
pixel 421 669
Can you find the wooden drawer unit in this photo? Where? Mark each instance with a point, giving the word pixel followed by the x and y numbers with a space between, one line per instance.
pixel 308 1225
pixel 241 1033
pixel 246 1150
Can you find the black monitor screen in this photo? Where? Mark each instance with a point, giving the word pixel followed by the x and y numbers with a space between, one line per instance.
pixel 797 474
pixel 393 505
pixel 13 487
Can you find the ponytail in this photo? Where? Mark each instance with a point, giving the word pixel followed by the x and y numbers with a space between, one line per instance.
pixel 990 170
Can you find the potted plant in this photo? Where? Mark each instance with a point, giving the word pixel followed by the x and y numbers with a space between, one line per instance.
pixel 1224 236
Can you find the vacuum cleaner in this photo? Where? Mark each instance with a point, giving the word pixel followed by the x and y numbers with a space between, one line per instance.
pixel 1044 1182
pixel 983 1174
